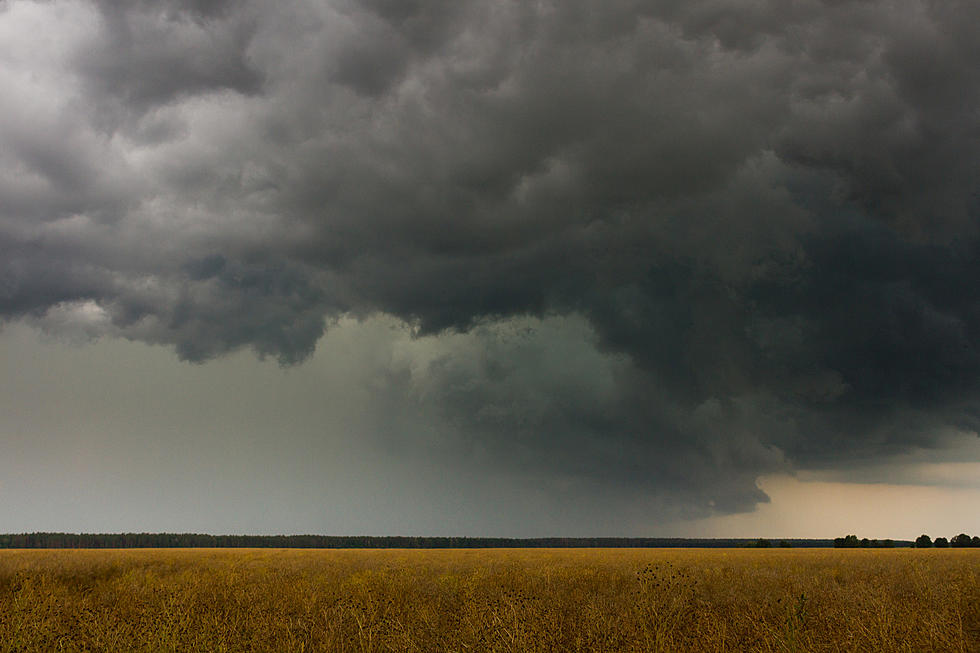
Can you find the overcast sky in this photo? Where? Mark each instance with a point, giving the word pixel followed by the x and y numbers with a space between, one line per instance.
pixel 484 267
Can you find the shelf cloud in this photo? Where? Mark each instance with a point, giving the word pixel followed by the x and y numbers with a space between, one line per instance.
pixel 656 247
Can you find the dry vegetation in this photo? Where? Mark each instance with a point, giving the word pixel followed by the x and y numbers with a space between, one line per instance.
pixel 490 600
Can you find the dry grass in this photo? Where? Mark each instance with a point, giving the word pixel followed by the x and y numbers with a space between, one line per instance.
pixel 490 600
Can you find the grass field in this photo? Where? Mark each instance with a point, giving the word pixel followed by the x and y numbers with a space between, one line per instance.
pixel 490 600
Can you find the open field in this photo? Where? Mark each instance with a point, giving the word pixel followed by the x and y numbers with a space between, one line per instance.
pixel 490 600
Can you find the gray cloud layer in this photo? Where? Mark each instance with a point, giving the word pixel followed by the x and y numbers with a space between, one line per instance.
pixel 742 235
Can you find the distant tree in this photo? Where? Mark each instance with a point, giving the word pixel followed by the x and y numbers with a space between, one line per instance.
pixel 888 544
pixel 783 544
pixel 975 541
pixel 960 540
pixel 941 543
pixel 849 542
pixel 923 542
pixel 762 543
pixel 865 543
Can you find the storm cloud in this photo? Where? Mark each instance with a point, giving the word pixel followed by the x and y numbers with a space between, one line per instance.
pixel 656 247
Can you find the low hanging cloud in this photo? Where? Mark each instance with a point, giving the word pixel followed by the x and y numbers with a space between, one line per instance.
pixel 739 237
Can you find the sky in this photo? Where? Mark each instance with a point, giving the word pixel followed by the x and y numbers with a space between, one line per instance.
pixel 488 267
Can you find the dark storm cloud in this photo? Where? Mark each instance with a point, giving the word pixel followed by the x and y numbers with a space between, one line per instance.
pixel 529 392
pixel 759 219
pixel 151 53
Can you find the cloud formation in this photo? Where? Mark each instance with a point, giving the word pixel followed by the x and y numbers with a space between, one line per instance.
pixel 724 237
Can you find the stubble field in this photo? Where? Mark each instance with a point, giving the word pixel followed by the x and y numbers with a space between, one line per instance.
pixel 490 600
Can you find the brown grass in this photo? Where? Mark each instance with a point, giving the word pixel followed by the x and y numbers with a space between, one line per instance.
pixel 490 600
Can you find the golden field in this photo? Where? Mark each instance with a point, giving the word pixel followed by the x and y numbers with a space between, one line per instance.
pixel 490 600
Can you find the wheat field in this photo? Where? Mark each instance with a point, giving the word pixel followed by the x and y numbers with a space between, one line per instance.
pixel 490 600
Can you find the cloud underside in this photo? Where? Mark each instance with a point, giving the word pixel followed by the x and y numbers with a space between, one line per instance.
pixel 663 246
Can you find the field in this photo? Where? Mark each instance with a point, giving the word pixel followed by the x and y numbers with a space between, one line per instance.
pixel 490 600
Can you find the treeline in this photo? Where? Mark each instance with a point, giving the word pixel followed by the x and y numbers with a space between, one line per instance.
pixel 959 541
pixel 852 542
pixel 921 542
pixel 763 543
pixel 198 540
